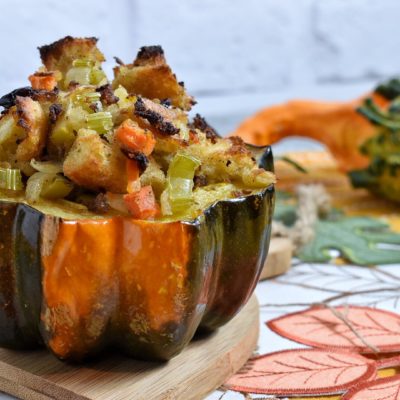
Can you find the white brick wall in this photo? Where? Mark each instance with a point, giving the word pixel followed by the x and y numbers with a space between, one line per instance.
pixel 219 47
pixel 356 39
pixel 26 24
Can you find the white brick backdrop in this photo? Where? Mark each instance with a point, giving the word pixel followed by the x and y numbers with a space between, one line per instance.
pixel 234 55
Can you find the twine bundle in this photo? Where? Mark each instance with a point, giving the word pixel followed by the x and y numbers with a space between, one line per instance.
pixel 313 202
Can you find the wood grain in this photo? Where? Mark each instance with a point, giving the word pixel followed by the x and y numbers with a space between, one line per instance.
pixel 279 258
pixel 202 367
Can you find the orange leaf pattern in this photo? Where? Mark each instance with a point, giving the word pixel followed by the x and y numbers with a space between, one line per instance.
pixel 320 327
pixel 388 362
pixel 303 371
pixel 381 389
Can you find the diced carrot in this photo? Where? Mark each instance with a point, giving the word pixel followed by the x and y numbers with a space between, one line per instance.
pixel 131 136
pixel 193 137
pixel 132 172
pixel 43 82
pixel 142 204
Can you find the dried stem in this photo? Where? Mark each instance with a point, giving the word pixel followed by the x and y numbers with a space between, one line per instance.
pixel 359 292
pixel 222 395
pixel 345 320
pixel 339 296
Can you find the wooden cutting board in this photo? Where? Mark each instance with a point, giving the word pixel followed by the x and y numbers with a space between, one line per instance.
pixel 201 368
pixel 279 258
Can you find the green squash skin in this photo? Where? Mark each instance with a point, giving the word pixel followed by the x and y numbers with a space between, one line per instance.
pixel 20 276
pixel 228 250
pixel 242 231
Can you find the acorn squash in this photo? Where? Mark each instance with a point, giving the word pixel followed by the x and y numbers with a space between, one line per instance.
pixel 79 285
pixel 125 223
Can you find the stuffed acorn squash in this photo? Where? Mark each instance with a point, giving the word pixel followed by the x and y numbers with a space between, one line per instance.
pixel 123 222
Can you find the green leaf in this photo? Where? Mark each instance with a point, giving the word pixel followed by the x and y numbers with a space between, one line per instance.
pixel 285 208
pixel 285 213
pixel 357 240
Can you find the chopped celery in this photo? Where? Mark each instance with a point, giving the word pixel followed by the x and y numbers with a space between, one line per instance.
pixel 184 132
pixel 7 129
pixel 183 166
pixel 35 185
pixel 49 167
pixel 123 96
pixel 97 76
pixel 180 194
pixel 58 189
pixel 80 75
pixel 86 72
pixel 80 62
pixel 180 183
pixel 121 93
pixel 101 122
pixel 50 186
pixel 11 135
pixel 165 204
pixel 87 99
pixel 63 133
pixel 179 187
pixel 62 136
pixel 11 179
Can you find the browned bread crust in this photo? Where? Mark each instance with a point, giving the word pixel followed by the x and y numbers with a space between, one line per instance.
pixel 150 76
pixel 60 54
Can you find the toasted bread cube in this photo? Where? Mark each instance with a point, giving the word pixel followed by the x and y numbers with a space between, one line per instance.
pixel 150 76
pixel 96 164
pixel 59 56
